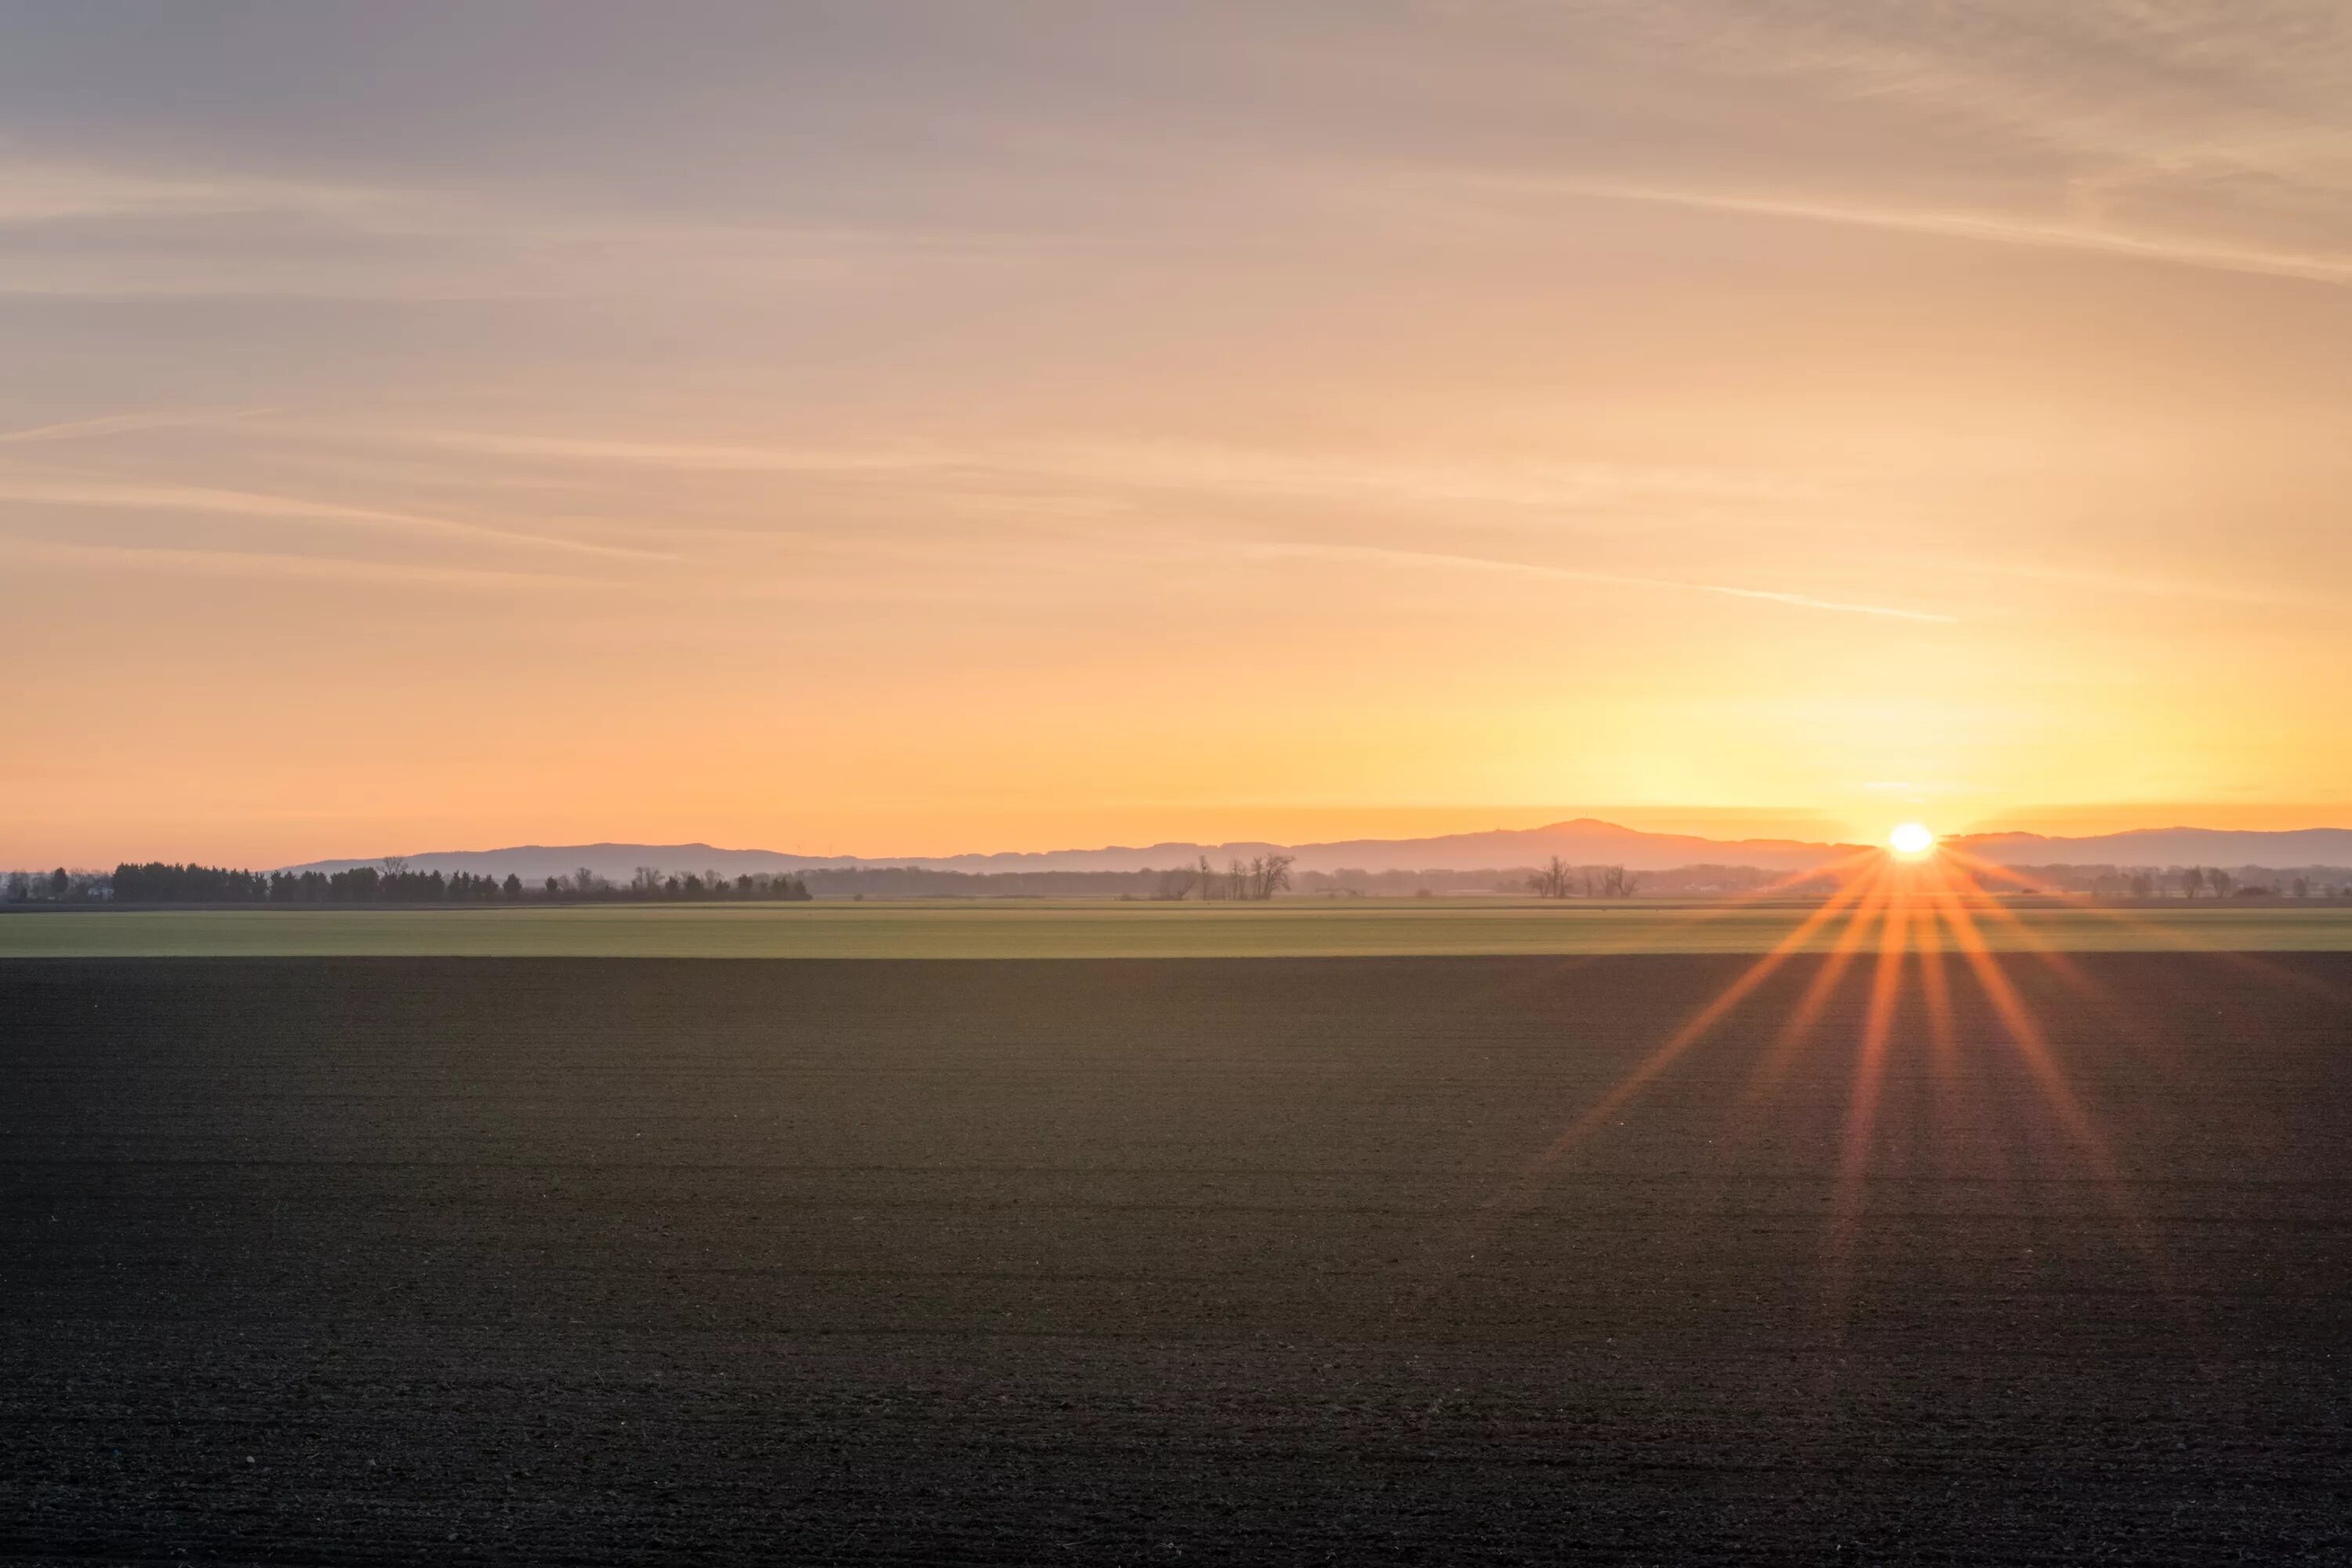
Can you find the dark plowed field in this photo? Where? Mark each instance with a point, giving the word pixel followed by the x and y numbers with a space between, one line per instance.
pixel 345 1260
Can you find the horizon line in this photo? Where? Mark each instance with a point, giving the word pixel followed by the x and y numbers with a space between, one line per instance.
pixel 1825 844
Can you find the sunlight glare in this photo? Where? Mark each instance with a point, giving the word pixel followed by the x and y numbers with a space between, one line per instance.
pixel 1911 840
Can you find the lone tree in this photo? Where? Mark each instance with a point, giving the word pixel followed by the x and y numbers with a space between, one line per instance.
pixel 1556 880
pixel 1269 874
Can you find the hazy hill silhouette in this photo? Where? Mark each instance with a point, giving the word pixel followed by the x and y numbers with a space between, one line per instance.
pixel 1583 841
pixel 2168 847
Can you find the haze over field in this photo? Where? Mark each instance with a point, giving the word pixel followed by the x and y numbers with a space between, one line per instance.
pixel 908 430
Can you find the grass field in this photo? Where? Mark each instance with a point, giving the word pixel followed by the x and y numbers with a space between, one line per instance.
pixel 1098 929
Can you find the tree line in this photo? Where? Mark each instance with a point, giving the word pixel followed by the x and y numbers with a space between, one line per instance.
pixel 1259 879
pixel 60 885
pixel 1255 880
pixel 924 882
pixel 1559 879
pixel 2196 881
pixel 162 882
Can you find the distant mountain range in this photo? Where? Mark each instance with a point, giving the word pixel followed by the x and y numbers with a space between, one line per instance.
pixel 1583 842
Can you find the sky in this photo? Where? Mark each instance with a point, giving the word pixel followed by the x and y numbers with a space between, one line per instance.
pixel 931 428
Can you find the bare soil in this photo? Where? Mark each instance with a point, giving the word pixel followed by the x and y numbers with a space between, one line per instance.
pixel 351 1260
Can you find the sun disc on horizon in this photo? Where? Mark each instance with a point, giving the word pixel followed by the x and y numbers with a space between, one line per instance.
pixel 1911 840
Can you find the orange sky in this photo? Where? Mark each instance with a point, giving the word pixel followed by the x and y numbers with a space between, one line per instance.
pixel 1023 427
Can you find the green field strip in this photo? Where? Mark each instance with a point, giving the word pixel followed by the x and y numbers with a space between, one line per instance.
pixel 1022 929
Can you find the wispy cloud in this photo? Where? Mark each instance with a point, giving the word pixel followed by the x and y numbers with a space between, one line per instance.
pixel 280 566
pixel 48 191
pixel 691 455
pixel 1195 468
pixel 111 230
pixel 1985 227
pixel 122 423
pixel 2173 131
pixel 1469 480
pixel 112 494
pixel 1606 579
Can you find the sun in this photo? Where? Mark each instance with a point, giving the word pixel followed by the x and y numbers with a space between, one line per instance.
pixel 1912 841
